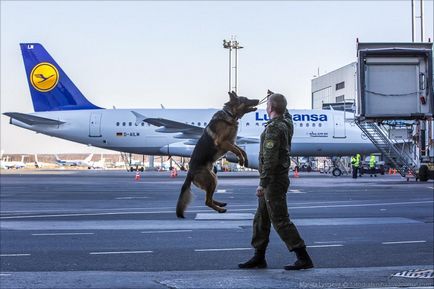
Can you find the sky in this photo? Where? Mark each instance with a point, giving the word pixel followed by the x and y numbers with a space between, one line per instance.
pixel 142 54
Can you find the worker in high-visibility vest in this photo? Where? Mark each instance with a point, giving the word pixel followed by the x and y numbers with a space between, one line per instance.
pixel 372 163
pixel 355 165
pixel 359 164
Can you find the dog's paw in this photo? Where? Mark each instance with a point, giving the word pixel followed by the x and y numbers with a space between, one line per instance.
pixel 241 162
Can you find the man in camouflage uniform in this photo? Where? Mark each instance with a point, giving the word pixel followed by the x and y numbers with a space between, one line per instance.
pixel 274 162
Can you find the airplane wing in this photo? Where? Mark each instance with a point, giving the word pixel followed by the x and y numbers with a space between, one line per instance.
pixel 187 131
pixel 32 119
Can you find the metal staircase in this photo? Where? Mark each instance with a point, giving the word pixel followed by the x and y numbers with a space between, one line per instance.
pixel 402 161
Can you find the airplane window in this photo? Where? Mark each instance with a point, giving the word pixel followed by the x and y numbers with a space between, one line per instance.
pixel 130 123
pixel 198 123
pixel 123 124
pixel 247 124
pixel 143 124
pixel 149 124
pixel 313 125
pixel 320 124
pixel 117 124
pixel 257 124
pixel 301 125
pixel 192 123
pixel 135 124
pixel 204 123
pixel 307 124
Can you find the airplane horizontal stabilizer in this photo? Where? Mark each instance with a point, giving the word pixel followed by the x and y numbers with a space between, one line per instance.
pixel 32 119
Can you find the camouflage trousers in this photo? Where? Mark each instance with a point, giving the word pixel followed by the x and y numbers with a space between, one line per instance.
pixel 272 209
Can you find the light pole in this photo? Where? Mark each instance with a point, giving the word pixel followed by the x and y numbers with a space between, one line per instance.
pixel 233 46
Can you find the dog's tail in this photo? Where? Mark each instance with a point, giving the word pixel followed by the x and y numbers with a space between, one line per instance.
pixel 184 197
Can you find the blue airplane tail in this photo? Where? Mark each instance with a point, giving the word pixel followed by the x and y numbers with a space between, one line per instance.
pixel 50 87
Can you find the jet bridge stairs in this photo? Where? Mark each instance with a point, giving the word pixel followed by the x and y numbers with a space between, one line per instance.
pixel 402 161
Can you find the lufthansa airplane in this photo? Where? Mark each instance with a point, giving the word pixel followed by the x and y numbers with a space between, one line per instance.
pixel 62 111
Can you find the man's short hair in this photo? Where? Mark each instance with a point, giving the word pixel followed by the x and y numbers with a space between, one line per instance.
pixel 278 102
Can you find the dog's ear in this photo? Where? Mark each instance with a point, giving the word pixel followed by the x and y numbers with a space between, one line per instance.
pixel 269 92
pixel 233 95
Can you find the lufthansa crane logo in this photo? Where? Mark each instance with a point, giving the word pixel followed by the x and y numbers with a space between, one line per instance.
pixel 44 77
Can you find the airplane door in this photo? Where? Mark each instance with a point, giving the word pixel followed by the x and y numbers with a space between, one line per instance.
pixel 95 124
pixel 338 126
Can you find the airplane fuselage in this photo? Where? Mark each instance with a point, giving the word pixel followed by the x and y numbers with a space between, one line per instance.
pixel 316 132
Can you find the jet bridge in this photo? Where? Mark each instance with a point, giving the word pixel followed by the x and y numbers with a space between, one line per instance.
pixel 395 82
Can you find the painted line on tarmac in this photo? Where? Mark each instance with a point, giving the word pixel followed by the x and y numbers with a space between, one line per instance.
pixel 5 274
pixel 61 234
pixel 325 246
pixel 14 255
pixel 402 242
pixel 330 242
pixel 222 249
pixel 131 198
pixel 120 252
pixel 201 211
pixel 153 208
pixel 171 231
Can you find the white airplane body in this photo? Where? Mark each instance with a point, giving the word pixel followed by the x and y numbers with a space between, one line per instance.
pixel 63 112
pixel 5 164
pixel 75 163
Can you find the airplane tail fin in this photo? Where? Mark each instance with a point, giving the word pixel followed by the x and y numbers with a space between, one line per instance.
pixel 57 158
pixel 50 87
pixel 89 158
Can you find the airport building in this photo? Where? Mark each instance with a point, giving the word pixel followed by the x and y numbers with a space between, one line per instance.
pixel 337 89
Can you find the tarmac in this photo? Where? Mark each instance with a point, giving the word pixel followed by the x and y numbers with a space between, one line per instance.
pixel 103 229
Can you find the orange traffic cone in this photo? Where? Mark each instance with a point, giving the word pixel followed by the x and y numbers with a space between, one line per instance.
pixel 137 177
pixel 173 173
pixel 296 173
pixel 390 171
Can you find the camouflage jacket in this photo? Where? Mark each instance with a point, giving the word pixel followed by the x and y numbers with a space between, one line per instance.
pixel 275 148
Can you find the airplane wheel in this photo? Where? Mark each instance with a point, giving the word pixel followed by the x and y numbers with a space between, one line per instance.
pixel 337 172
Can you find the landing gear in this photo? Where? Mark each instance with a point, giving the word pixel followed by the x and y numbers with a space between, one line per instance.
pixel 336 172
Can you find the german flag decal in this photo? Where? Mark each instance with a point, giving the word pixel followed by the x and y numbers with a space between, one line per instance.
pixel 119 134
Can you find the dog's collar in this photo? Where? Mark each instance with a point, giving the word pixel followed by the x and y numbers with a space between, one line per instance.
pixel 229 113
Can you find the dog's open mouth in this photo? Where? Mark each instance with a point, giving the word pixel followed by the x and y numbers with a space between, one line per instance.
pixel 251 106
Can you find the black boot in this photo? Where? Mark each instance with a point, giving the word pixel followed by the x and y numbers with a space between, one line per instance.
pixel 257 261
pixel 303 260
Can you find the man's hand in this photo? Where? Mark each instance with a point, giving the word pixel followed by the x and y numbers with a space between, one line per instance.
pixel 260 192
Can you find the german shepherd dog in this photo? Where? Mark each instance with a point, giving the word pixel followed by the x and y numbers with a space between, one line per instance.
pixel 217 139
